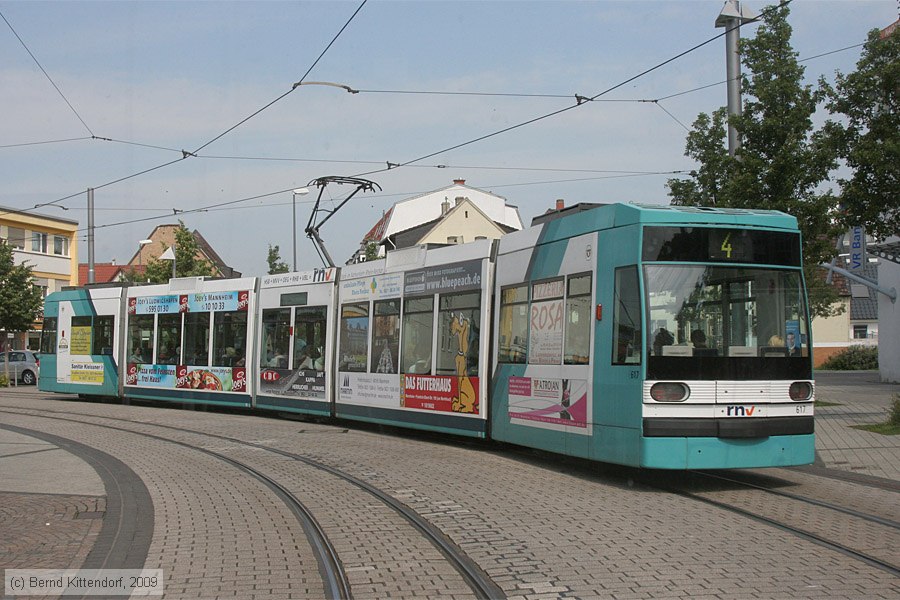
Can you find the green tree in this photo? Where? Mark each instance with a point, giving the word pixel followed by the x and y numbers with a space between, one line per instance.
pixel 276 265
pixel 187 264
pixel 868 138
pixel 20 300
pixel 371 251
pixel 782 160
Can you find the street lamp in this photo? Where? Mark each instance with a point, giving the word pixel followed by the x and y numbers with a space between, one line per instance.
pixel 140 271
pixel 141 245
pixel 294 194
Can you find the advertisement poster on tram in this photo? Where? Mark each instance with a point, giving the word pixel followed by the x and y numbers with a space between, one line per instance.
pixel 216 379
pixel 440 393
pixel 203 302
pixel 559 404
pixel 547 310
pixel 296 383
pixel 87 373
pixel 370 389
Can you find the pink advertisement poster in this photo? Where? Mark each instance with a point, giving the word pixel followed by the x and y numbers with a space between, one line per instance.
pixel 548 401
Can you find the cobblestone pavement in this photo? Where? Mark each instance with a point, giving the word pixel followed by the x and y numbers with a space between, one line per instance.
pixel 856 398
pixel 539 527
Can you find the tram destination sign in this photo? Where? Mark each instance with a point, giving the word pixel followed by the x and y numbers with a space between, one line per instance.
pixel 721 244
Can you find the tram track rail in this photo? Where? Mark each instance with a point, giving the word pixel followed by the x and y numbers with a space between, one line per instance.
pixel 482 586
pixel 890 523
pixel 708 497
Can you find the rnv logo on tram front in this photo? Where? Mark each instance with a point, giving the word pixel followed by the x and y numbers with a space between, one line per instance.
pixel 739 411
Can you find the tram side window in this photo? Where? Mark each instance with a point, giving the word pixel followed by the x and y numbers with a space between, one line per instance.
pixel 196 339
pixel 140 339
pixel 418 334
pixel 627 340
pixel 104 333
pixel 309 338
pixel 513 324
pixel 459 316
pixel 168 339
pixel 578 321
pixel 48 335
pixel 386 336
pixel 354 337
pixel 545 340
pixel 276 335
pixel 229 338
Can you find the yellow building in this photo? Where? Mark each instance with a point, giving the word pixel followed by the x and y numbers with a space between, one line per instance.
pixel 49 245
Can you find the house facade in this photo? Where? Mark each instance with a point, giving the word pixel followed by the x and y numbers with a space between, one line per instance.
pixel 49 245
pixel 455 214
pixel 856 325
pixel 160 239
pixel 163 237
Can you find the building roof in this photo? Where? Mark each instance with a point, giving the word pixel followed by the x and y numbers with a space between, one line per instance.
pixel 376 234
pixel 864 307
pixel 104 272
pixel 164 235
pixel 426 208
pixel 20 212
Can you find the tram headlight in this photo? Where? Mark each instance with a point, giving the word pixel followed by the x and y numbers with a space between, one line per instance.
pixel 669 392
pixel 800 390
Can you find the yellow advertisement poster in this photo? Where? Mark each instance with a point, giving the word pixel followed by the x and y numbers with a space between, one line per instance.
pixel 81 340
pixel 89 373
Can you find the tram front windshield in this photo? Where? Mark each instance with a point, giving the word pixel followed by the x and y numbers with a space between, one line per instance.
pixel 720 322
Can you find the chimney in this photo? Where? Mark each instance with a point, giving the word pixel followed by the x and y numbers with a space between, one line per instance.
pixel 459 181
pixel 459 200
pixel 445 206
pixel 560 204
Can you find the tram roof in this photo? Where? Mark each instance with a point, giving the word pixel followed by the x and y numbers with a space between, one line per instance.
pixel 579 219
pixel 603 216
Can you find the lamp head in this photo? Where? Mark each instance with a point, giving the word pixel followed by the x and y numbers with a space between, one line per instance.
pixel 301 191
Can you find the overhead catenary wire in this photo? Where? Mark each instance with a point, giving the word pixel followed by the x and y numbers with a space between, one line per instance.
pixel 580 101
pixel 186 154
pixel 426 92
pixel 44 71
pixel 230 204
pixel 290 91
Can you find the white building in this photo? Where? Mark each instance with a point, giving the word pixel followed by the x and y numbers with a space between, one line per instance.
pixel 455 214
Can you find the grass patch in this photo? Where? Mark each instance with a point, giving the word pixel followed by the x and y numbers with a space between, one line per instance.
pixel 826 403
pixel 889 427
pixel 882 428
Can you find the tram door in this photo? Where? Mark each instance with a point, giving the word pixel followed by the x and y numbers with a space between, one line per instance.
pixel 295 341
pixel 618 348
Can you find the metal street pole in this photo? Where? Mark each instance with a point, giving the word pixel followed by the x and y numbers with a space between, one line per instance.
pixel 294 194
pixel 731 18
pixel 90 235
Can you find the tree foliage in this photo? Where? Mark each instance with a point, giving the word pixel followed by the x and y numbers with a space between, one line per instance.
pixel 20 300
pixel 187 263
pixel 782 160
pixel 868 137
pixel 276 265
pixel 372 251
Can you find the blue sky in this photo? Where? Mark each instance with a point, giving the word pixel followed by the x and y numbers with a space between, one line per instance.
pixel 178 74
